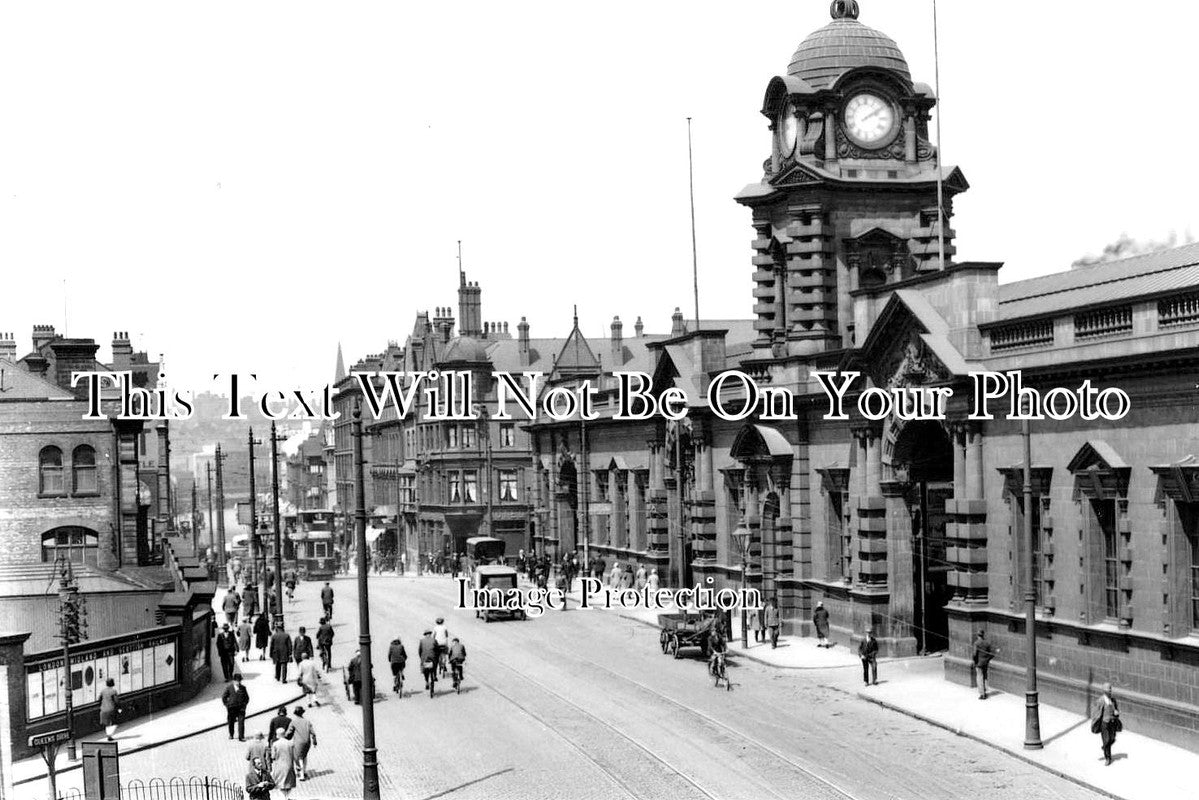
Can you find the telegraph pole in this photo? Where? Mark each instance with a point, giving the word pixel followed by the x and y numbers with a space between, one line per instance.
pixel 1032 711
pixel 194 518
pixel 255 539
pixel 278 583
pixel 211 538
pixel 220 501
pixel 370 763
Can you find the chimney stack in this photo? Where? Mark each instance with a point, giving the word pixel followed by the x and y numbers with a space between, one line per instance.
pixel 42 336
pixel 8 346
pixel 617 343
pixel 522 341
pixel 470 308
pixel 122 351
pixel 677 328
pixel 639 328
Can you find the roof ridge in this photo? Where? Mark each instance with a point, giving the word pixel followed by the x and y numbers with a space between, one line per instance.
pixel 1104 267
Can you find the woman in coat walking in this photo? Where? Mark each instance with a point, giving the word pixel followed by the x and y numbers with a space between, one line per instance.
pixel 820 620
pixel 262 635
pixel 283 767
pixel 303 737
pixel 1106 722
pixel 110 702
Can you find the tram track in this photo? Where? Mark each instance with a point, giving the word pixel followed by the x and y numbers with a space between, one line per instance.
pixel 817 788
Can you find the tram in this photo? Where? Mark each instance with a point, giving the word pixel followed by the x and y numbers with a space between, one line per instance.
pixel 316 557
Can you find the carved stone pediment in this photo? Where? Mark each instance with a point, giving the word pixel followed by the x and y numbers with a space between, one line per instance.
pixel 910 363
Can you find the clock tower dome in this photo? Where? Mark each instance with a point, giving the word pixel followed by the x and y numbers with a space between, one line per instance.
pixel 848 198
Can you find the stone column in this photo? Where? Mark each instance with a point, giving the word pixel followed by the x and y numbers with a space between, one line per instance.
pixel 958 445
pixel 974 463
pixel 657 507
pixel 633 512
pixel 830 133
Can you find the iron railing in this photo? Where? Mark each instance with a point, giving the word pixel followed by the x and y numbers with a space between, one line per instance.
pixel 170 789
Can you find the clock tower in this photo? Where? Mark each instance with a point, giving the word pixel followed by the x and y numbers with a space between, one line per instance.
pixel 848 197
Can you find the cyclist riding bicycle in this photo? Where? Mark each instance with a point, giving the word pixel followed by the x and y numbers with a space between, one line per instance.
pixel 457 655
pixel 398 656
pixel 441 637
pixel 718 647
pixel 427 652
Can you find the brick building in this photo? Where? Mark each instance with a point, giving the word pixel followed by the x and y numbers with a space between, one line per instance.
pixel 92 492
pixel 913 528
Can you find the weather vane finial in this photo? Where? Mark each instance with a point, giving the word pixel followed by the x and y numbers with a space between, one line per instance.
pixel 844 9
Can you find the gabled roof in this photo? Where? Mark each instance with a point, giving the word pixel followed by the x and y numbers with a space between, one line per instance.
pixel 20 384
pixel 1153 273
pixel 1096 453
pixel 935 333
pixel 576 357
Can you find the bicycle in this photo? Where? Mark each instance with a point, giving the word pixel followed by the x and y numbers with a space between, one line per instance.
pixel 429 668
pixel 456 671
pixel 398 682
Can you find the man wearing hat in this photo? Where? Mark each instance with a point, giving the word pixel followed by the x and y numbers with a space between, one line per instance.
pixel 868 652
pixel 441 636
pixel 427 652
pixel 820 621
pixel 983 653
pixel 236 699
pixel 226 650
pixel 1105 721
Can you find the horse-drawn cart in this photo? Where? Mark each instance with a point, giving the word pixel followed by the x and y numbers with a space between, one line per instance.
pixel 685 629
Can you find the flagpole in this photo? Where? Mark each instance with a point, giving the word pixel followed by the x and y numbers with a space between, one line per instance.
pixel 940 176
pixel 694 252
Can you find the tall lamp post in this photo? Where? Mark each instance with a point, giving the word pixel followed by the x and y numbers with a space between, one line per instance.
pixel 742 537
pixel 1032 712
pixel 370 762
pixel 277 587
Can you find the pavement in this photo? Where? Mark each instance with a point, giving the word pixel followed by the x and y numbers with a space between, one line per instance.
pixel 202 714
pixel 783 692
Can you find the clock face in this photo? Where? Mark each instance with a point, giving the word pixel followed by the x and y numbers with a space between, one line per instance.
pixel 869 118
pixel 788 127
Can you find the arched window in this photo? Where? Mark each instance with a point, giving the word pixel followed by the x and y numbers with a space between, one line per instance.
pixel 50 471
pixel 74 544
pixel 83 467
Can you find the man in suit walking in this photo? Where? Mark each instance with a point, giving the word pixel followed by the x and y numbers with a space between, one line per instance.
pixel 226 650
pixel 868 652
pixel 302 646
pixel 280 647
pixel 983 653
pixel 235 700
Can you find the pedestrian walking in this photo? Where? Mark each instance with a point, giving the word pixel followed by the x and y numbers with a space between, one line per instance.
pixel 280 646
pixel 324 641
pixel 327 600
pixel 283 765
pixel 262 635
pixel 245 637
pixel 820 621
pixel 652 582
pixel 1106 722
pixel 236 699
pixel 868 652
pixel 258 749
pixel 354 678
pixel 230 605
pixel 303 738
pixel 403 561
pixel 259 781
pixel 642 578
pixel 249 602
pixel 755 625
pixel 226 650
pixel 302 646
pixel 278 724
pixel 773 622
pixel 983 653
pixel 110 708
pixel 308 678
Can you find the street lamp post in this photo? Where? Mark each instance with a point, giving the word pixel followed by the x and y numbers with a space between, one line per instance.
pixel 278 583
pixel 742 537
pixel 370 763
pixel 1032 712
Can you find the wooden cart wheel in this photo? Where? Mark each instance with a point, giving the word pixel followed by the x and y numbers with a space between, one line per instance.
pixel 674 646
pixel 662 641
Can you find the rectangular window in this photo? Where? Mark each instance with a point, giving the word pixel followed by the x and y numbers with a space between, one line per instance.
pixel 507 434
pixel 468 436
pixel 455 487
pixel 85 479
pixel 320 549
pixel 507 478
pixel 601 486
pixel 1105 517
pixel 452 436
pixel 840 541
pixel 1193 549
pixel 470 486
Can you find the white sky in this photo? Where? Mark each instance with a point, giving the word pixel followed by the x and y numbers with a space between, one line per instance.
pixel 242 185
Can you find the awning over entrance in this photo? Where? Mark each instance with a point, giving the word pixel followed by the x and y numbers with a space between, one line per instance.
pixel 758 441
